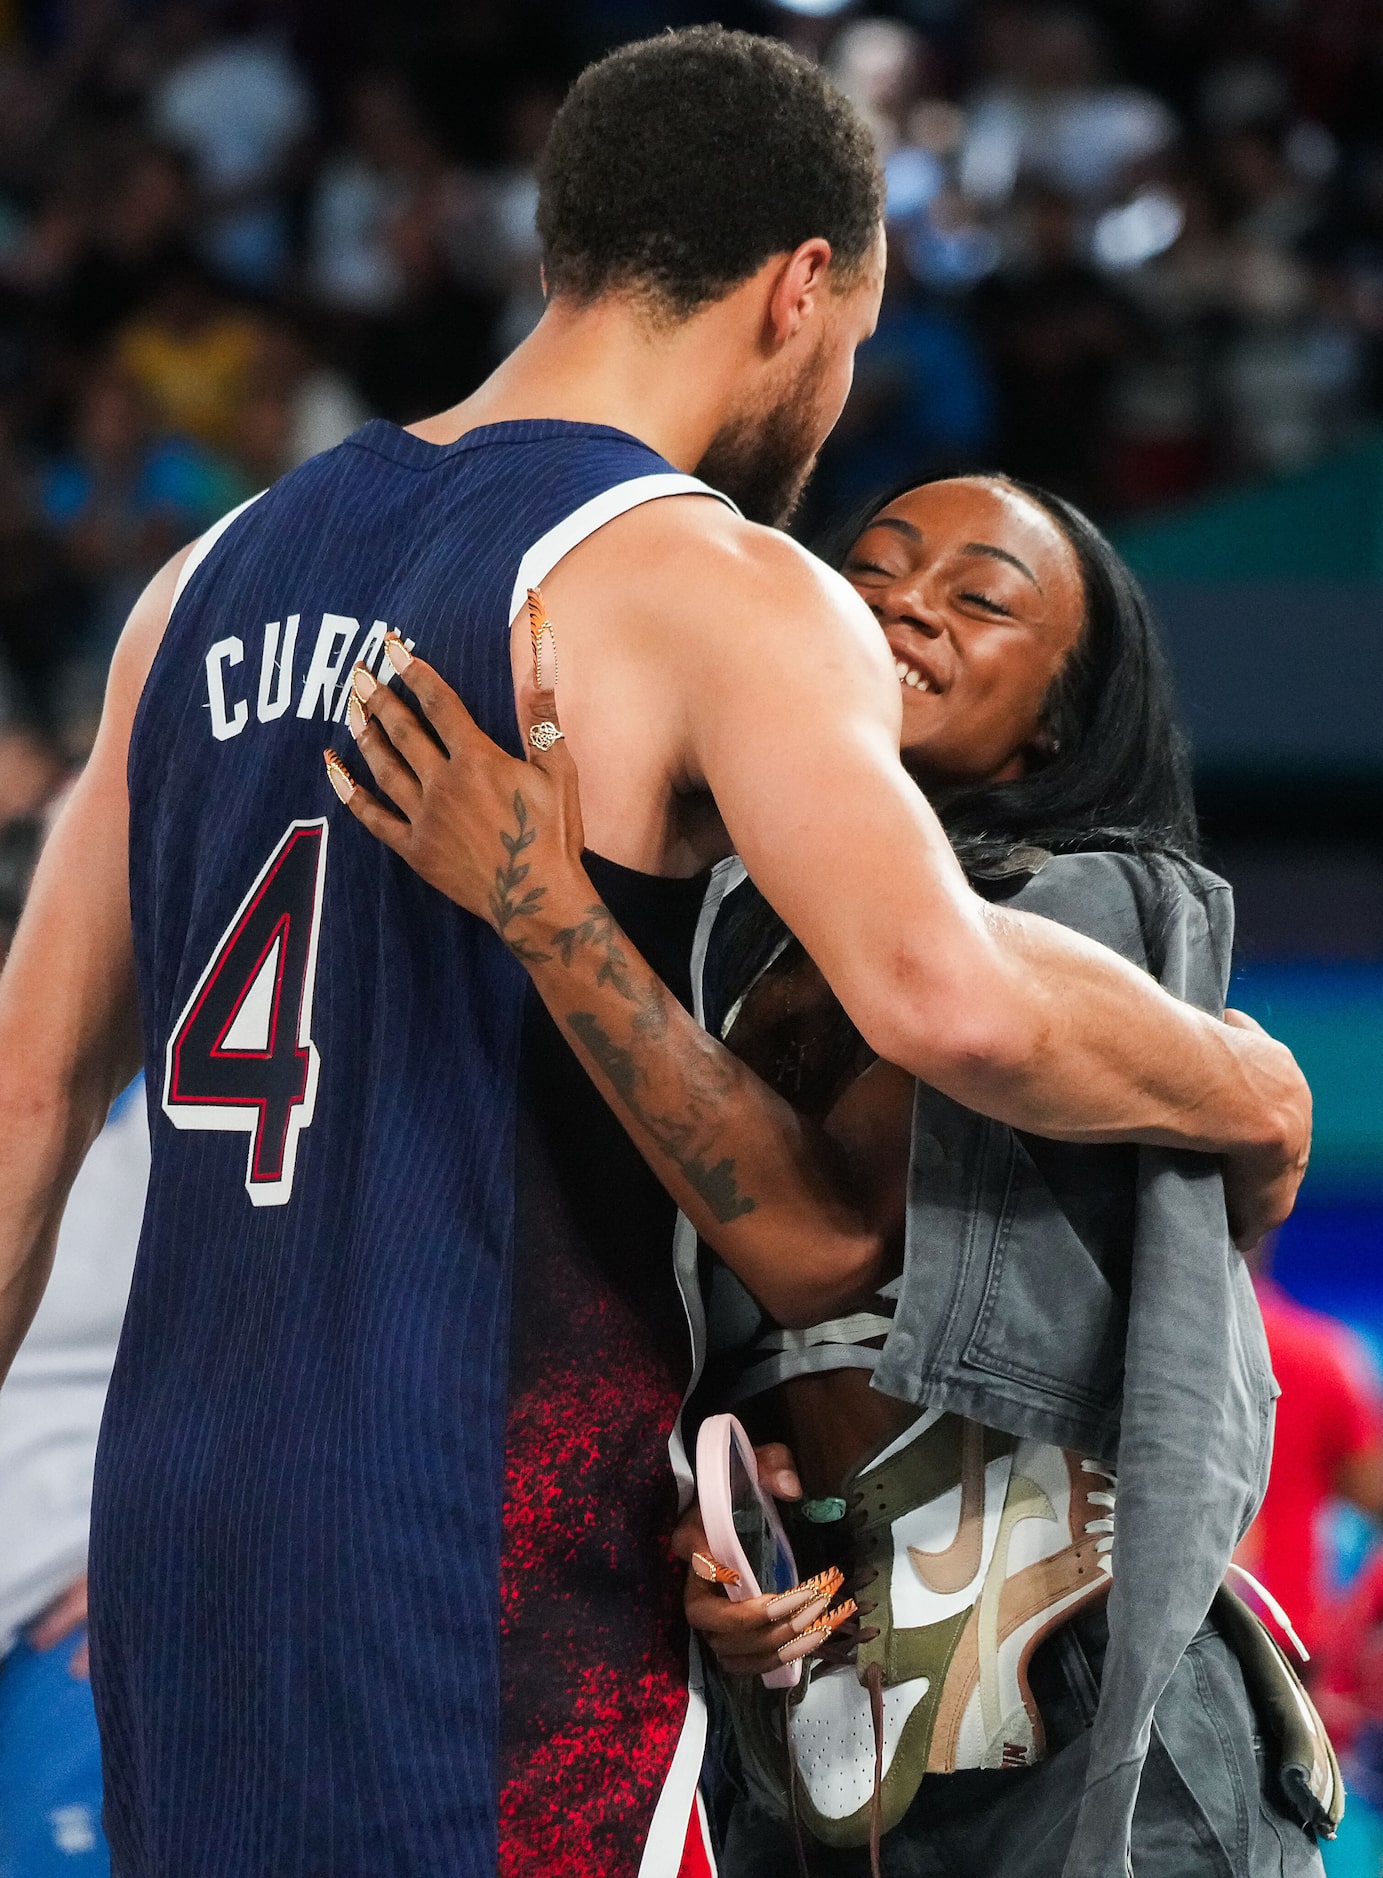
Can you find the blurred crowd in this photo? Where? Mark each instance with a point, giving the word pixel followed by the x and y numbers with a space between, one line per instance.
pixel 1136 249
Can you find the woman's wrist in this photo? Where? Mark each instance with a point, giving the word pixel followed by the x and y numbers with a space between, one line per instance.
pixel 569 899
pixel 538 914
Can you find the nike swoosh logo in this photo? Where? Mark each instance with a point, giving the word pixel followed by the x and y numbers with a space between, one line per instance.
pixel 954 1567
pixel 1024 1500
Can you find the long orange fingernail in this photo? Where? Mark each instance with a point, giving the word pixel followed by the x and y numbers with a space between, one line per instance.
pixel 356 719
pixel 338 776
pixel 816 1633
pixel 714 1573
pixel 397 653
pixel 823 1585
pixel 364 684
pixel 808 1615
pixel 540 627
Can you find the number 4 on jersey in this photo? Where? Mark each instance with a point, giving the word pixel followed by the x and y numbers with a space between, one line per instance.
pixel 241 1058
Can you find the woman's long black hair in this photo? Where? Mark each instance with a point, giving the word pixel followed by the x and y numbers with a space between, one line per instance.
pixel 1118 773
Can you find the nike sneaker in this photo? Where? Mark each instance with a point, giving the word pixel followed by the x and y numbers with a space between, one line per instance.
pixel 969 1547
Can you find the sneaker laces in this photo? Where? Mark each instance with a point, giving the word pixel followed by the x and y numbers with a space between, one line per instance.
pixel 1104 1526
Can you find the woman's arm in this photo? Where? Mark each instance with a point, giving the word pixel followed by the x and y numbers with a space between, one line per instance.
pixel 771 1191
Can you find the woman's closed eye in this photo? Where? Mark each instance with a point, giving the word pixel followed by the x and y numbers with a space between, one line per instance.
pixel 993 606
pixel 867 567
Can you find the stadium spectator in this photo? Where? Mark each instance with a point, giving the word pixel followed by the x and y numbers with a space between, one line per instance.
pixel 124 497
pixel 1349 1694
pixel 1052 112
pixel 384 223
pixel 1056 330
pixel 40 604
pixel 50 1412
pixel 128 238
pixel 921 402
pixel 238 107
pixel 192 351
pixel 1329 1446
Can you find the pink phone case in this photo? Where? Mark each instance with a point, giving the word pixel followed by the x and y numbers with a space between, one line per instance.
pixel 720 1439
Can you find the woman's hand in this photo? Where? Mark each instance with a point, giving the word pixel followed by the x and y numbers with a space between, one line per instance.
pixel 763 1633
pixel 500 837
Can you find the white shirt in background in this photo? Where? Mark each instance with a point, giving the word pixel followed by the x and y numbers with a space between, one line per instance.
pixel 50 1407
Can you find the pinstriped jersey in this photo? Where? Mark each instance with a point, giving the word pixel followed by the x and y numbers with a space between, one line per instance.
pixel 297 1522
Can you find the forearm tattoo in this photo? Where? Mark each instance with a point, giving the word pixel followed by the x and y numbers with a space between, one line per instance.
pixel 598 930
pixel 689 1133
pixel 504 907
pixel 688 1138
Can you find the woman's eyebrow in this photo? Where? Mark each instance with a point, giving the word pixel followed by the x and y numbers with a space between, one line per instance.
pixel 898 525
pixel 992 553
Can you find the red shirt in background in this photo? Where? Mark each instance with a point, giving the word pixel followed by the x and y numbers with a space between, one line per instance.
pixel 1349 1692
pixel 1329 1412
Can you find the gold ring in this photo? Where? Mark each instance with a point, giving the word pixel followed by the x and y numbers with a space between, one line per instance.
pixel 543 736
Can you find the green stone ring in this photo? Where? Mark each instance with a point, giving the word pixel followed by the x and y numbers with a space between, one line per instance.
pixel 822 1512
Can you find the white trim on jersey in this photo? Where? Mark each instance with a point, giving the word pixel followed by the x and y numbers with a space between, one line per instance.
pixel 558 542
pixel 681 1795
pixel 663 1848
pixel 203 545
pixel 545 552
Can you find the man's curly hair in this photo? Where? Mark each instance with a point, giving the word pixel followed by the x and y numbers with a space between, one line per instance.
pixel 678 165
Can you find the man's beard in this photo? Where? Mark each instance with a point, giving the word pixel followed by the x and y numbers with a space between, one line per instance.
pixel 762 460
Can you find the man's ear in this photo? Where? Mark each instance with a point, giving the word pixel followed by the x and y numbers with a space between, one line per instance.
pixel 796 289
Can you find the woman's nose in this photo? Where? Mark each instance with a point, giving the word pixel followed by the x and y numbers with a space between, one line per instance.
pixel 912 610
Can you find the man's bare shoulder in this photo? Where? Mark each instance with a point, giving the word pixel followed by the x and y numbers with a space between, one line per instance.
pixel 691 563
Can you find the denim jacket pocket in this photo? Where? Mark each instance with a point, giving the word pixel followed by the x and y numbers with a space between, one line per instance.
pixel 1047 1317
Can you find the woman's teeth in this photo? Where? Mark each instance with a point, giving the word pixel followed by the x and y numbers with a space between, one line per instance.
pixel 914 680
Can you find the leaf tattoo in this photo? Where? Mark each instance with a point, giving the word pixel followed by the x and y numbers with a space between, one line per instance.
pixel 598 930
pixel 504 907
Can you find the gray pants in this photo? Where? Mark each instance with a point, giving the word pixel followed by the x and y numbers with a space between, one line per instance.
pixel 1207 1807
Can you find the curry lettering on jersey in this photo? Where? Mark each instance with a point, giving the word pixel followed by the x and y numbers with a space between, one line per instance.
pixel 322 690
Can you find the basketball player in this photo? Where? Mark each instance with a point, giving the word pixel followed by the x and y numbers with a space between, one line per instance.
pixel 404 1348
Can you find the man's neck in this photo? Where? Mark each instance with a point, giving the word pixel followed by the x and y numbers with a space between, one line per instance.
pixel 672 387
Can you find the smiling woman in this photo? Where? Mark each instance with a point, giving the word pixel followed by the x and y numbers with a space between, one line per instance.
pixel 1053 722
pixel 979 630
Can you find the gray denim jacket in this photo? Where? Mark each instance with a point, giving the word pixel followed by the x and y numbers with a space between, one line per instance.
pixel 1092 1297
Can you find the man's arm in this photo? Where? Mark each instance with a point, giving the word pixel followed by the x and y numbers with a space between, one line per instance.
pixel 790 714
pixel 69 1026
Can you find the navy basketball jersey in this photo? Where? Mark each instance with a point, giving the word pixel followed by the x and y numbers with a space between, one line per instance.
pixel 296 1531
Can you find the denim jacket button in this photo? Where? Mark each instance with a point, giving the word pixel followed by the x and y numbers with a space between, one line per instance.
pixel 927 1151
